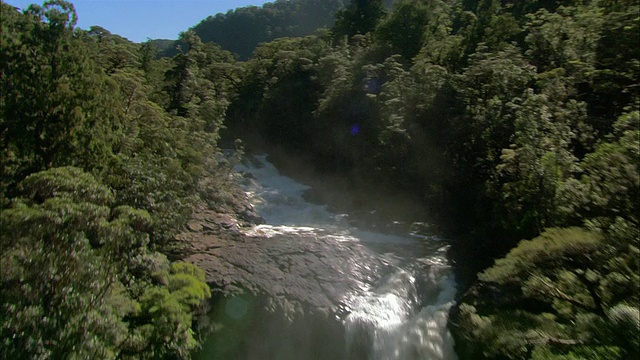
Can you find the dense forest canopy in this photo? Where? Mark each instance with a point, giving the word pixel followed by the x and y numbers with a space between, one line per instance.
pixel 104 153
pixel 516 122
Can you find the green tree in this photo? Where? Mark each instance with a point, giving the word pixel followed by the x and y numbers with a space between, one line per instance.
pixel 610 180
pixel 241 30
pixel 55 105
pixel 165 315
pixel 359 17
pixel 59 268
pixel 114 52
pixel 535 165
pixel 482 122
pixel 392 85
pixel 413 25
pixel 79 263
pixel 486 88
pixel 555 299
pixel 79 280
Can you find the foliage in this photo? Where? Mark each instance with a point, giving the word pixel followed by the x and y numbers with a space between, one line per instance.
pixel 510 120
pixel 77 276
pixel 413 24
pixel 359 17
pixel 56 105
pixel 55 285
pixel 565 303
pixel 104 150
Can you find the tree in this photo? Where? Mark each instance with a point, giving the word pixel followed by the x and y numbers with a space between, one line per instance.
pixel 551 295
pixel 59 269
pixel 56 109
pixel 79 280
pixel 482 122
pixel 486 87
pixel 166 313
pixel 359 17
pixel 80 264
pixel 535 165
pixel 610 179
pixel 114 52
pixel 389 85
pixel 414 23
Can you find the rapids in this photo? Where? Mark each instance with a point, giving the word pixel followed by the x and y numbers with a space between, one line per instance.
pixel 387 295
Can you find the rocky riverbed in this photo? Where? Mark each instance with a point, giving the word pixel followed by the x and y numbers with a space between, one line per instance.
pixel 300 269
pixel 306 282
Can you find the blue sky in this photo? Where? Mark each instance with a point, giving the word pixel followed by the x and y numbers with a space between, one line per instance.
pixel 138 20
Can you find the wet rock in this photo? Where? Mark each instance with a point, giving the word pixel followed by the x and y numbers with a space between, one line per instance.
pixel 293 273
pixel 312 272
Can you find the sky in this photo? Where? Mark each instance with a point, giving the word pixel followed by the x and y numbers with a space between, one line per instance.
pixel 138 20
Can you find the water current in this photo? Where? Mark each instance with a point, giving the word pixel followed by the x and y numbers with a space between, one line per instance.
pixel 401 285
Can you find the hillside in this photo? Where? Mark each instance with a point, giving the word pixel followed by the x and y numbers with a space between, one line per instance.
pixel 241 30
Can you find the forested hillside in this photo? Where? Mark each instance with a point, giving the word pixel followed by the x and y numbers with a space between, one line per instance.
pixel 241 30
pixel 516 122
pixel 104 152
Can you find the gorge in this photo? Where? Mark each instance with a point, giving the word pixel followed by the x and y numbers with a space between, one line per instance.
pixel 309 284
pixel 511 127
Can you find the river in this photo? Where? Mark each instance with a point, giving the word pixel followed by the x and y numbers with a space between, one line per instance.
pixel 349 292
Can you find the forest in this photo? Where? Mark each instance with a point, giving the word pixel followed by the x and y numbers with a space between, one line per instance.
pixel 516 123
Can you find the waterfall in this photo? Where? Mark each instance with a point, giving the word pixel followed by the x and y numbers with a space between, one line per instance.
pixel 389 323
pixel 394 290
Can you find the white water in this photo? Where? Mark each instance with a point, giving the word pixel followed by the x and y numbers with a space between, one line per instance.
pixel 400 314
